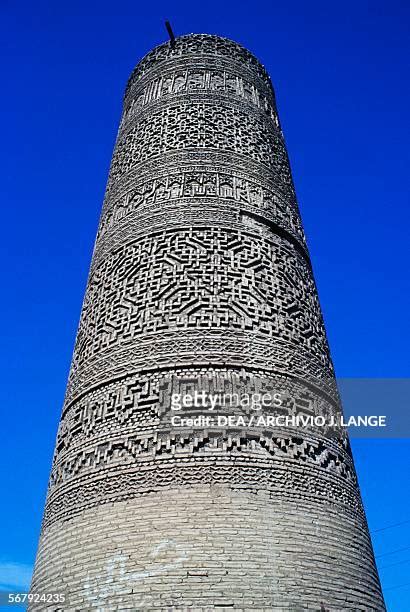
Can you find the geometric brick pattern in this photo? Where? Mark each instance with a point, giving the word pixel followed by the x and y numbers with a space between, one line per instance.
pixel 201 280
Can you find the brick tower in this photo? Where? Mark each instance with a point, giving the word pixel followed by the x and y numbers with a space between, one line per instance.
pixel 201 282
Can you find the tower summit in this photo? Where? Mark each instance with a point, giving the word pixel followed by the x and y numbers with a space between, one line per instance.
pixel 201 287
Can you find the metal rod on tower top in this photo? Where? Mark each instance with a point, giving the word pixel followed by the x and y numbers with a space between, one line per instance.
pixel 171 33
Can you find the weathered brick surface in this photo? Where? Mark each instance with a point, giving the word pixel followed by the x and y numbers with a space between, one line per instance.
pixel 201 281
pixel 207 545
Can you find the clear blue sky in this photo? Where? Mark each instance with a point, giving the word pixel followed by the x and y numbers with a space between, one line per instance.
pixel 340 72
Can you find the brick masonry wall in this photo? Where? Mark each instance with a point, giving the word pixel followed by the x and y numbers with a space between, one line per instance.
pixel 201 281
pixel 208 546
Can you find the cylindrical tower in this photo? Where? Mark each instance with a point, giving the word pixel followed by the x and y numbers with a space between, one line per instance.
pixel 201 282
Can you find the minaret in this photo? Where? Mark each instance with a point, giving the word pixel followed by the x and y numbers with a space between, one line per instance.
pixel 201 283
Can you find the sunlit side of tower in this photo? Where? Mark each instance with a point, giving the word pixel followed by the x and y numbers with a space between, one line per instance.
pixel 201 280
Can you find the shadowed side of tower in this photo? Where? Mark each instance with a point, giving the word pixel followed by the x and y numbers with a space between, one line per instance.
pixel 201 281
